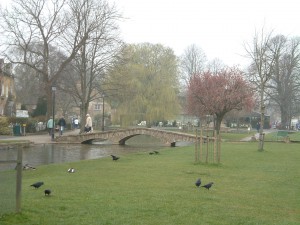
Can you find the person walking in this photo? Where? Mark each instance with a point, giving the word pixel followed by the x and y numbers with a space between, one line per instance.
pixel 62 125
pixel 88 124
pixel 76 122
pixel 50 125
pixel 258 127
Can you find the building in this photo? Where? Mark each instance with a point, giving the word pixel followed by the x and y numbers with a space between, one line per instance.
pixel 7 90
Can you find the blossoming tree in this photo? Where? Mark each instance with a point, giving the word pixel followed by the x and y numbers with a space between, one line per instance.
pixel 219 93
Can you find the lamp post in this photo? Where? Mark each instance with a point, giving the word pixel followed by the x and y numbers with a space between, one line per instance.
pixel 53 110
pixel 103 112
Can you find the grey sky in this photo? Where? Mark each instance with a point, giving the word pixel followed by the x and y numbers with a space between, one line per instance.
pixel 219 27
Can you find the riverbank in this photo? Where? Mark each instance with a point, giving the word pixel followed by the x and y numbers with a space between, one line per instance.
pixel 36 138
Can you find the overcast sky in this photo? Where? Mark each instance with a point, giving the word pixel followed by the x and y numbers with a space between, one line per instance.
pixel 219 27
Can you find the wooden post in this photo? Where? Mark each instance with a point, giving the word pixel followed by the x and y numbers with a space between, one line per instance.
pixel 207 147
pixel 215 146
pixel 196 147
pixel 201 144
pixel 219 147
pixel 19 180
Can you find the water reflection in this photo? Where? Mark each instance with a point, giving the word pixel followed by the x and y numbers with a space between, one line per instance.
pixel 60 153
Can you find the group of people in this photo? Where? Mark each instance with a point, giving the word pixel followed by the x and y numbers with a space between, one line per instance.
pixel 62 124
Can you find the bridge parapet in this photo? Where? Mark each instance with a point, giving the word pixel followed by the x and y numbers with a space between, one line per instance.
pixel 122 135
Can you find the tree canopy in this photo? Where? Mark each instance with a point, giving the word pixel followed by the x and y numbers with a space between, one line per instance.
pixel 144 83
pixel 218 94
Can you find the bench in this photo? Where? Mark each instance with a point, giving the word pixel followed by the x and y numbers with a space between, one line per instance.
pixel 282 134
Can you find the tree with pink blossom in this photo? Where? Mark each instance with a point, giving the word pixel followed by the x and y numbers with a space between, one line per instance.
pixel 218 93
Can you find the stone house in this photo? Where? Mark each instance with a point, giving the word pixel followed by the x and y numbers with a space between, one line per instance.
pixel 7 90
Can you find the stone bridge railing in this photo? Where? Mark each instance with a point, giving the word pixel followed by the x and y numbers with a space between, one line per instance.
pixel 122 135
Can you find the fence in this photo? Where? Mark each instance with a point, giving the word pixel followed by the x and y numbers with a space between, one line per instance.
pixel 207 146
pixel 10 185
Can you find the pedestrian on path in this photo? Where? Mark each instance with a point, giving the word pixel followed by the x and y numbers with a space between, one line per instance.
pixel 89 124
pixel 76 122
pixel 50 125
pixel 62 125
pixel 258 127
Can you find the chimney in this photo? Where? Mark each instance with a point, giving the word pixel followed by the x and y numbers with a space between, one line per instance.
pixel 1 64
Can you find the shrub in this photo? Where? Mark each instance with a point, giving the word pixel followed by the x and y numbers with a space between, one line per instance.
pixel 5 129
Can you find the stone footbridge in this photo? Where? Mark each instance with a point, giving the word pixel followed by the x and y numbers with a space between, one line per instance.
pixel 122 135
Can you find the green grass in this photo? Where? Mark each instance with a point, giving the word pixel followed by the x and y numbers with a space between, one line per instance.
pixel 294 136
pixel 250 187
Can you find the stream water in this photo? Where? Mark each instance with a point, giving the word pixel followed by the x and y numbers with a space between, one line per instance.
pixel 60 153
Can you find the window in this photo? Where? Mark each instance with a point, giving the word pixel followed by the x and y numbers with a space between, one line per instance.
pixel 97 106
pixel 6 91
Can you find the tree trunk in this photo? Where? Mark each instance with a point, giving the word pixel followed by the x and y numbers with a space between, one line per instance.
pixel 218 124
pixel 49 101
pixel 285 120
pixel 83 111
pixel 218 137
pixel 262 121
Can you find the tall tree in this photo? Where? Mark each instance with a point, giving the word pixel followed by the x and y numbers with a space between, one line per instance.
pixel 284 85
pixel 218 94
pixel 260 72
pixel 144 83
pixel 215 65
pixel 85 76
pixel 193 61
pixel 33 27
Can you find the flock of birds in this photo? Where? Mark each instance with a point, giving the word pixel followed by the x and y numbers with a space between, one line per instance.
pixel 47 192
pixel 207 186
pixel 38 184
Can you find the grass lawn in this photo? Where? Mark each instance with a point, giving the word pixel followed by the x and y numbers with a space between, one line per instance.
pixel 293 136
pixel 250 187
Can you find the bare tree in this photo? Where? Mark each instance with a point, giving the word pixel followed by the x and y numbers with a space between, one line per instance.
pixel 193 62
pixel 215 65
pixel 284 87
pixel 32 28
pixel 260 72
pixel 88 69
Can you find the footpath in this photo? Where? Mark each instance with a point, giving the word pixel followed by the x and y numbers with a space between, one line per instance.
pixel 256 135
pixel 38 138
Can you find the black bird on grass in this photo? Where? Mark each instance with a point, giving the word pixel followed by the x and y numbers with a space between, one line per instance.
pixel 198 182
pixel 114 157
pixel 208 186
pixel 37 184
pixel 156 152
pixel 47 192
pixel 151 153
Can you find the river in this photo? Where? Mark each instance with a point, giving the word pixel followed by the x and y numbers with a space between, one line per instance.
pixel 60 153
